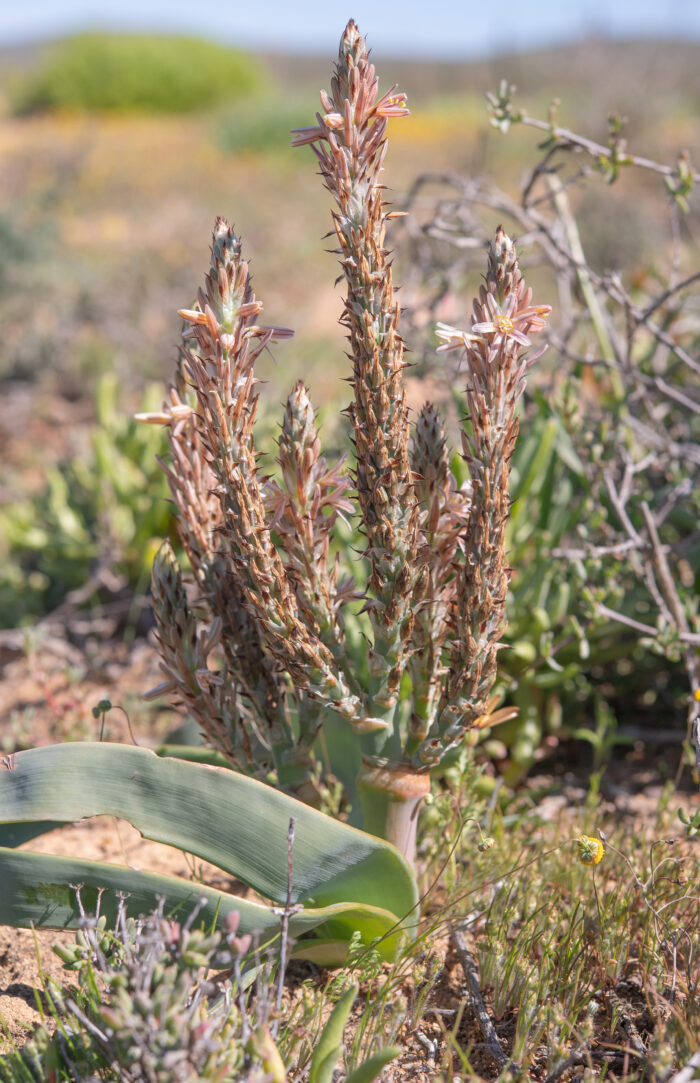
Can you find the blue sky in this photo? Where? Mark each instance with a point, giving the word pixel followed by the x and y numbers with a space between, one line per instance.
pixel 448 28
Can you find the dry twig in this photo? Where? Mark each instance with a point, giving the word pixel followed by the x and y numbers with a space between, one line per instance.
pixel 471 975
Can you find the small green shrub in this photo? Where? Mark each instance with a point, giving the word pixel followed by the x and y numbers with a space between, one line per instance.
pixel 106 72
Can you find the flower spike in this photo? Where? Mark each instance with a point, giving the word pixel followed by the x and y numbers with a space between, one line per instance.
pixel 495 348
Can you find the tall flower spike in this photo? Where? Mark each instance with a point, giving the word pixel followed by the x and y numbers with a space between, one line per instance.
pixel 250 668
pixel 303 512
pixel 222 340
pixel 348 141
pixel 497 366
pixel 220 371
pixel 444 511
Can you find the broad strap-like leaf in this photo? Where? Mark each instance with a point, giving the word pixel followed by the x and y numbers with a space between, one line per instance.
pixel 232 821
pixel 40 890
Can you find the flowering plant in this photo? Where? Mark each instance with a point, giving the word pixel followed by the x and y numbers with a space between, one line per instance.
pixel 265 645
pixel 264 658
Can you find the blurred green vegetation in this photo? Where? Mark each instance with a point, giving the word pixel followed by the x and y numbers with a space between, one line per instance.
pixel 14 248
pixel 264 126
pixel 142 73
pixel 106 509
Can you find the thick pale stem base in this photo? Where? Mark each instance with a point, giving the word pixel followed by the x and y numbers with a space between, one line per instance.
pixel 391 796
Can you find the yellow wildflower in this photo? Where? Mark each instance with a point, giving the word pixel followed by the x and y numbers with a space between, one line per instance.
pixel 590 850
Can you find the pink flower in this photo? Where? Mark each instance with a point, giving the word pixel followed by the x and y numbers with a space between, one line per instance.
pixel 454 339
pixel 508 322
pixel 392 105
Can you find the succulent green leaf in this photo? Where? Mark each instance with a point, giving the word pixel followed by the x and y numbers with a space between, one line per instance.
pixel 330 1042
pixel 194 754
pixel 536 457
pixel 371 1068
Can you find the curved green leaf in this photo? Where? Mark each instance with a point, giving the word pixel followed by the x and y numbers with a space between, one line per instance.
pixel 232 821
pixel 39 889
pixel 193 754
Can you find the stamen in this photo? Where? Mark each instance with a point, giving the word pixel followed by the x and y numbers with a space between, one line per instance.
pixel 504 324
